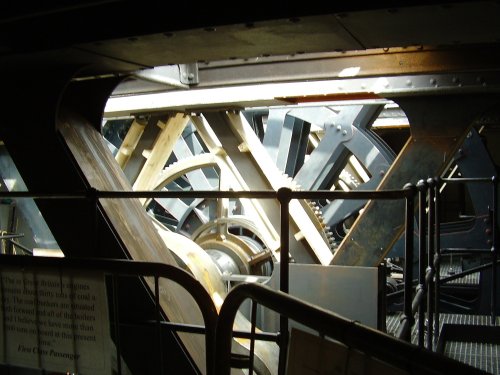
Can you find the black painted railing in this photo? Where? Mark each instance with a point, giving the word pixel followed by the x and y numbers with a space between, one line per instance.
pixel 118 268
pixel 401 354
pixel 425 300
pixel 284 196
pixel 492 250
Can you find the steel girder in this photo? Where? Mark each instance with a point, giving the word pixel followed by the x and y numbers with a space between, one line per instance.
pixel 439 124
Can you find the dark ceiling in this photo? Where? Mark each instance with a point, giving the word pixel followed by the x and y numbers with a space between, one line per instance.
pixel 121 36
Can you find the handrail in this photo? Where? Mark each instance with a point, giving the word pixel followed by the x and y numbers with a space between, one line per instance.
pixel 493 250
pixel 124 267
pixel 262 194
pixel 431 266
pixel 353 334
pixel 407 320
pixel 423 281
pixel 284 195
pixel 426 297
pixel 470 271
pixel 425 289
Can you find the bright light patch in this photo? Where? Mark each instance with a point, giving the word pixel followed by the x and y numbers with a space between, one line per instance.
pixel 10 183
pixel 350 72
pixel 218 300
pixel 251 279
pixel 359 168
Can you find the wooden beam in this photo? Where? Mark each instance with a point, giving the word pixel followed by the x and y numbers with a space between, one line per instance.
pixel 130 142
pixel 162 148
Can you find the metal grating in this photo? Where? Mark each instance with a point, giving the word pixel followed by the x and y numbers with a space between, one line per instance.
pixel 392 322
pixel 453 267
pixel 483 356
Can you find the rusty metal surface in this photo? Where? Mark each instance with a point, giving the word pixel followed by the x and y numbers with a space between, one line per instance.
pixel 438 126
pixel 332 65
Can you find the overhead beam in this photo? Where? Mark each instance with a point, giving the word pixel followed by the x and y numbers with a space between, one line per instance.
pixel 290 93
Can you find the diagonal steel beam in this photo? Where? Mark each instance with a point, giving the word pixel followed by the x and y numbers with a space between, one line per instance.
pixel 438 125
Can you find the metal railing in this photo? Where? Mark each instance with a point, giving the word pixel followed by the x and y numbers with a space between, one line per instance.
pixel 425 301
pixel 118 268
pixel 492 250
pixel 424 298
pixel 284 196
pixel 354 335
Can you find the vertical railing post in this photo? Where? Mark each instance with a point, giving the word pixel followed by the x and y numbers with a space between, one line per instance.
pixel 430 262
pixel 116 317
pixel 284 197
pixel 422 259
pixel 253 319
pixel 407 318
pixel 494 254
pixel 94 207
pixel 158 323
pixel 437 259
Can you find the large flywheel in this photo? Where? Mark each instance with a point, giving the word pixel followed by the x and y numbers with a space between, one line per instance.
pixel 303 148
pixel 327 148
pixel 220 226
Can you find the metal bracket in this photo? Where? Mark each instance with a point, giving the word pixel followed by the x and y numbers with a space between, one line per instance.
pixel 189 74
pixel 181 76
pixel 169 75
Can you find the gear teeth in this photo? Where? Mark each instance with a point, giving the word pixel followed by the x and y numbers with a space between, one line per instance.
pixel 317 213
pixel 165 169
pixel 335 247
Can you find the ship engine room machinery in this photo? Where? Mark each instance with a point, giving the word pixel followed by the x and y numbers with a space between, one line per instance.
pixel 318 99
